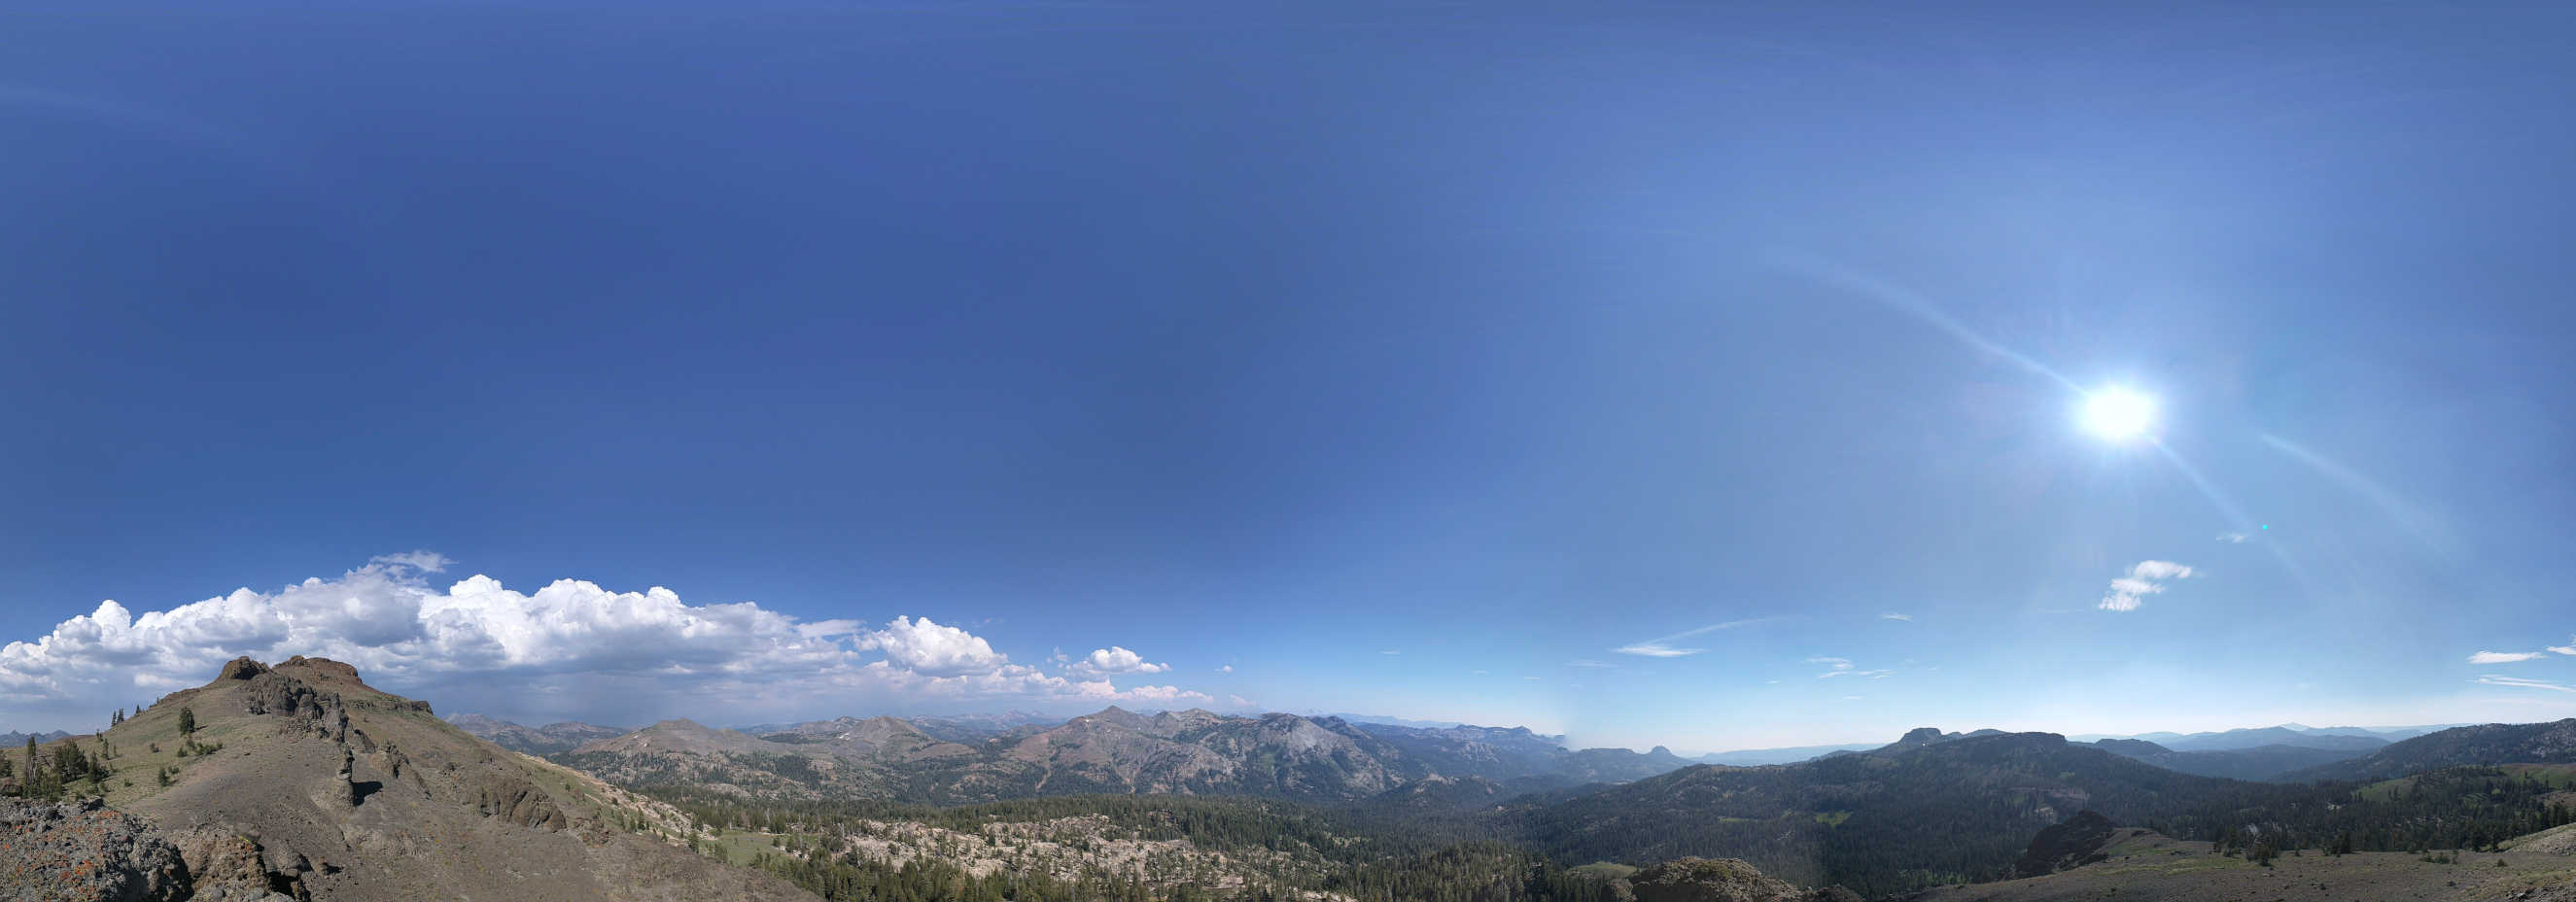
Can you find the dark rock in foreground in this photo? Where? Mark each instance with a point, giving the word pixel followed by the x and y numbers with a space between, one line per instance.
pixel 80 852
pixel 2075 843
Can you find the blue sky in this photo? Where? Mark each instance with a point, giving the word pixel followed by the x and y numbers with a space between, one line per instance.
pixel 1403 358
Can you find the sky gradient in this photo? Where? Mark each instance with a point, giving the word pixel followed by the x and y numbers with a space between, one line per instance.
pixel 1653 373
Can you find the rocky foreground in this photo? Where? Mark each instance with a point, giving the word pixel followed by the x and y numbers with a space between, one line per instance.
pixel 300 782
pixel 84 851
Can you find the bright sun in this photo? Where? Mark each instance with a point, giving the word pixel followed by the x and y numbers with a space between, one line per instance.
pixel 2118 413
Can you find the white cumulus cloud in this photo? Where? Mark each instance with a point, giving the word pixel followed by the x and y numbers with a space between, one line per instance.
pixel 2144 579
pixel 569 649
pixel 1113 660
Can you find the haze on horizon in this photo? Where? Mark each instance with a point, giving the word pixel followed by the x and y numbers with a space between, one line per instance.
pixel 1602 370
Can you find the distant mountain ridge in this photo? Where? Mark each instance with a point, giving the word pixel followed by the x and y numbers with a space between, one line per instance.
pixel 2289 734
pixel 2267 762
pixel 14 740
pixel 546 740
pixel 1198 752
pixel 2486 744
pixel 2297 736
pixel 1930 807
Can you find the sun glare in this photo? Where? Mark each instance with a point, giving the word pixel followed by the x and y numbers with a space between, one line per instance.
pixel 2119 413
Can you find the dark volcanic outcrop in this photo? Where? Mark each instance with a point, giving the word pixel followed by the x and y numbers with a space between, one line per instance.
pixel 2075 843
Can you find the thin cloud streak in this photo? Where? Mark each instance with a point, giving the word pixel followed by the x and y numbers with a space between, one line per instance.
pixel 1663 647
pixel 2521 683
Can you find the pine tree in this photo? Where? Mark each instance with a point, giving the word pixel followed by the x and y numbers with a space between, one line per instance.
pixel 187 721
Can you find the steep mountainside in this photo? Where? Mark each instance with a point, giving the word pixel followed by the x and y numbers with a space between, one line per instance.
pixel 2495 743
pixel 1516 754
pixel 305 781
pixel 2260 763
pixel 1955 809
pixel 1495 753
pixel 1113 751
pixel 545 740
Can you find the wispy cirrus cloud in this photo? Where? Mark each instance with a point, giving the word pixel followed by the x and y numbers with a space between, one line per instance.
pixel 2521 683
pixel 1663 647
pixel 1838 667
pixel 2143 579
pixel 2569 649
pixel 2502 657
pixel 1892 615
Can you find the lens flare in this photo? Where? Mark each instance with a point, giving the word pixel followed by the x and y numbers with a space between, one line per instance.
pixel 2118 413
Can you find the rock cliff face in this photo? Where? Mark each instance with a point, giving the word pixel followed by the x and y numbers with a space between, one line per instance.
pixel 303 781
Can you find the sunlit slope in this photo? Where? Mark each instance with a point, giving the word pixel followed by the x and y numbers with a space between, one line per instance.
pixel 304 779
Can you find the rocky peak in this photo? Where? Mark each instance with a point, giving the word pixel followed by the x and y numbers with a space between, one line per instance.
pixel 1920 736
pixel 321 670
